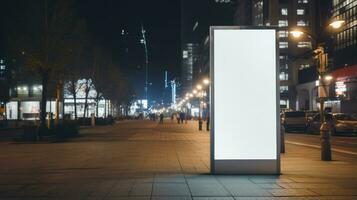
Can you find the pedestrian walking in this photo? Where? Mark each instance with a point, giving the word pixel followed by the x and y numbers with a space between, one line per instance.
pixel 178 118
pixel 161 118
pixel 182 117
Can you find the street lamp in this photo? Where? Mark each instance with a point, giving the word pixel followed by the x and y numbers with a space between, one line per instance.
pixel 205 81
pixel 296 33
pixel 336 24
pixel 144 42
pixel 322 59
pixel 199 87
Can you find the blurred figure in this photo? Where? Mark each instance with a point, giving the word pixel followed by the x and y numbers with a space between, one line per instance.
pixel 177 117
pixel 182 117
pixel 161 118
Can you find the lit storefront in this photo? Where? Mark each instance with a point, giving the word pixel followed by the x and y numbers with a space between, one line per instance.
pixel 25 103
pixel 344 89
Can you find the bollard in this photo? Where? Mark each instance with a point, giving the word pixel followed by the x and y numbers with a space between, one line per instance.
pixel 325 132
pixel 282 139
pixel 92 119
pixel 200 124
pixel 207 125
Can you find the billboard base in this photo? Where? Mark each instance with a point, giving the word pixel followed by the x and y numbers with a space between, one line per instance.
pixel 246 167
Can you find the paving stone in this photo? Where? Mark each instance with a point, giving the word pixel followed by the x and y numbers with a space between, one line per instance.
pixel 213 198
pixel 141 189
pixel 292 192
pixel 171 198
pixel 144 160
pixel 170 189
pixel 206 189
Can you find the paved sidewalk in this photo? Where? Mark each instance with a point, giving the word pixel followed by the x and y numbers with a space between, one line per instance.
pixel 145 160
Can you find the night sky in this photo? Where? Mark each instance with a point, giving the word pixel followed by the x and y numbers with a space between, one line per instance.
pixel 161 18
pixel 105 21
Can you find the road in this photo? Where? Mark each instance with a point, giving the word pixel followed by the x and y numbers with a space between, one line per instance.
pixel 347 145
pixel 147 160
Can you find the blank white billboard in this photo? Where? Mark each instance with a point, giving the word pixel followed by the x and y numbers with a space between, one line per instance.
pixel 245 94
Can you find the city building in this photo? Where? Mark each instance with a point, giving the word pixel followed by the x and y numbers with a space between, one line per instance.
pixel 197 17
pixel 343 93
pixel 189 57
pixel 341 46
pixel 294 55
pixel 24 103
pixel 3 86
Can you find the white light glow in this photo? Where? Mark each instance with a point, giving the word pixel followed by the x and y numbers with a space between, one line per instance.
pixel 236 135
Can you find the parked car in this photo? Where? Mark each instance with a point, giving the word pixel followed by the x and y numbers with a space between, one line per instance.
pixel 294 120
pixel 310 115
pixel 341 123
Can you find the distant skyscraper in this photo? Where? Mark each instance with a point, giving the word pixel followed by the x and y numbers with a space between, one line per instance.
pixel 173 92
pixel 189 56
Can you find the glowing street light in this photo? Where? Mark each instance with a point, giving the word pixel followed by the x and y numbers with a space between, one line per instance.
pixel 206 81
pixel 199 87
pixel 296 33
pixel 194 91
pixel 336 24
pixel 328 78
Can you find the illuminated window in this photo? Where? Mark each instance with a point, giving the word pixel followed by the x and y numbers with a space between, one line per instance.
pixel 185 54
pixel 303 1
pixel 283 23
pixel 283 34
pixel 302 23
pixel 284 11
pixel 283 45
pixel 283 57
pixel 1 61
pixel 304 45
pixel 300 11
pixel 2 67
pixel 304 66
pixel 283 76
pixel 284 88
pixel 284 66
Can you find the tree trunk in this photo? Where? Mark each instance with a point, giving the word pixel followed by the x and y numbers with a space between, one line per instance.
pixel 97 105
pixel 58 99
pixel 43 99
pixel 75 104
pixel 74 92
pixel 105 108
pixel 86 99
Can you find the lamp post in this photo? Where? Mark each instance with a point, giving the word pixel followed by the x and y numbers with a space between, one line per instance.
pixel 207 83
pixel 143 41
pixel 322 61
pixel 200 94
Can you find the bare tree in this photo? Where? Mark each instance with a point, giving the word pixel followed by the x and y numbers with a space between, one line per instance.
pixel 42 37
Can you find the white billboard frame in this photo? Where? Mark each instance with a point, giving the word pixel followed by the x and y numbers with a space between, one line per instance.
pixel 244 166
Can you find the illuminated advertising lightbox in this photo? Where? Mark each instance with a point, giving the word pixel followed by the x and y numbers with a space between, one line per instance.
pixel 245 120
